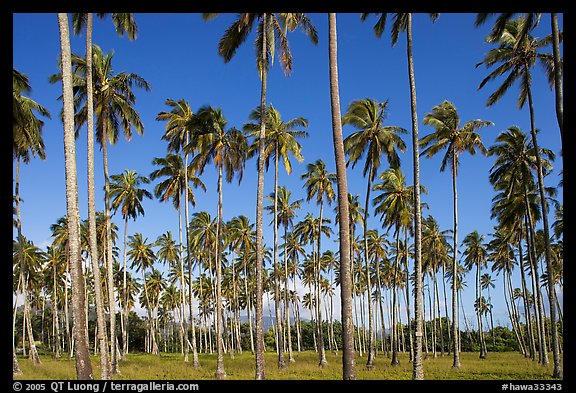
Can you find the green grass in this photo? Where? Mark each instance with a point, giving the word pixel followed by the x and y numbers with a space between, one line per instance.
pixel 498 365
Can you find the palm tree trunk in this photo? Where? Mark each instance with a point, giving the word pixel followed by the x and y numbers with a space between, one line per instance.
pixel 348 362
pixel 220 372
pixel 417 370
pixel 370 360
pixel 479 313
pixel 437 301
pixel 512 321
pixel 446 311
pixel 394 329
pixel 281 361
pixel 101 321
pixel 286 302
pixel 83 363
pixel 557 73
pixel 183 324
pixel 456 363
pixel 319 324
pixel 549 269
pixel 109 260
pixel 55 323
pixel 248 305
pixel 538 301
pixel 260 373
pixel 407 294
pixel 526 305
pixel 124 298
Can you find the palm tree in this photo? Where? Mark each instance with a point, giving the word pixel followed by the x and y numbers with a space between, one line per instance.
pixel 227 149
pixel 368 116
pixel 177 182
pixel 319 183
pixel 487 282
pixel 284 211
pixel 114 105
pixel 532 20
pixel 270 26
pixel 280 143
pixel 126 195
pixel 516 55
pixel 142 256
pixel 27 142
pixel 456 139
pixel 403 23
pixel 123 23
pixel 83 363
pixel 394 205
pixel 178 135
pixel 475 254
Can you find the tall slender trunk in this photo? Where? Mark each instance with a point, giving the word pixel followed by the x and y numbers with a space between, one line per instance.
pixel 260 373
pixel 195 361
pixel 549 269
pixel 515 312
pixel 417 369
pixel 394 330
pixel 248 304
pixel 348 362
pixel 281 361
pixel 446 311
pixel 512 321
pixel 479 313
pixel 370 360
pixel 557 73
pixel 55 322
pixel 220 372
pixel 455 332
pixel 319 325
pixel 183 323
pixel 437 301
pixel 99 297
pixel 526 304
pixel 109 259
pixel 83 363
pixel 286 302
pixel 124 297
pixel 408 315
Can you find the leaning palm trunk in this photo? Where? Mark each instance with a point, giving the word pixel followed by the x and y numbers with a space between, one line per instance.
pixel 417 370
pixel 348 363
pixel 99 297
pixel 394 331
pixel 260 373
pixel 557 73
pixel 124 298
pixel 549 269
pixel 526 305
pixel 286 302
pixel 83 363
pixel 319 325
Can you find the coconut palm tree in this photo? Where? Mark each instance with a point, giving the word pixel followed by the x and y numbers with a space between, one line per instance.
pixel 177 179
pixel 114 103
pixel 270 25
pixel 126 195
pixel 124 23
pixel 284 212
pixel 373 137
pixel 456 139
pixel 319 184
pixel 403 23
pixel 280 143
pixel 515 55
pixel 83 363
pixel 178 135
pixel 227 150
pixel 394 204
pixel 475 255
pixel 143 257
pixel 55 267
pixel 27 143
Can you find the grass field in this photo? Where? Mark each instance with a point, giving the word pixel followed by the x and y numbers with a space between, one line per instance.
pixel 139 366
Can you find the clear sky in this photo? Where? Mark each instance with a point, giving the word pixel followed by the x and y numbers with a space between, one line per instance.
pixel 177 54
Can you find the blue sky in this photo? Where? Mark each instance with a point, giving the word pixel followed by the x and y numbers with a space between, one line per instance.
pixel 177 55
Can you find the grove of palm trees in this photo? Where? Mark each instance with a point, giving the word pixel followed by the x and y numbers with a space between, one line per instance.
pixel 225 233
